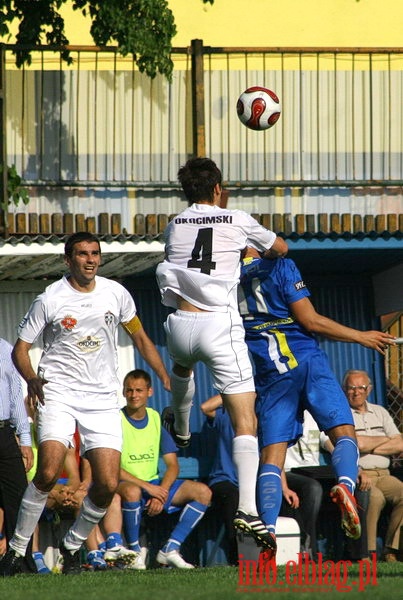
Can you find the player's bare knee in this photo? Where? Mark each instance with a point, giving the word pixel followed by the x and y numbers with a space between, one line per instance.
pixel 202 493
pixel 45 479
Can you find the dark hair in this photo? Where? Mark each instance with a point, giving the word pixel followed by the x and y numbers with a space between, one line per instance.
pixel 76 238
pixel 138 374
pixel 198 178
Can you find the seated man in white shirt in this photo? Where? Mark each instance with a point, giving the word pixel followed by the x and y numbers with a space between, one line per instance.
pixel 378 439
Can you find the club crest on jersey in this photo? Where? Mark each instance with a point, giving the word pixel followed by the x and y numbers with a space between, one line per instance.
pixel 68 322
pixel 89 344
pixel 299 285
pixel 109 318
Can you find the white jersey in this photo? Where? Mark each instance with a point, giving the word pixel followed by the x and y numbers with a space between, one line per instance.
pixel 79 333
pixel 202 264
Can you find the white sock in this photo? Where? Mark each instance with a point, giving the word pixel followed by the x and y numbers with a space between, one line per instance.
pixel 32 505
pixel 88 517
pixel 245 455
pixel 182 389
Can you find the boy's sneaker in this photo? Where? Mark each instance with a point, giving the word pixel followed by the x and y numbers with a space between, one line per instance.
pixel 71 561
pixel 254 526
pixel 40 563
pixel 168 421
pixel 11 564
pixel 173 559
pixel 96 561
pixel 350 521
pixel 120 554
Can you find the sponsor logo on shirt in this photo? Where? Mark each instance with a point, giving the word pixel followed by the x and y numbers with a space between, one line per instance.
pixel 299 285
pixel 142 456
pixel 109 318
pixel 204 220
pixel 89 344
pixel 68 322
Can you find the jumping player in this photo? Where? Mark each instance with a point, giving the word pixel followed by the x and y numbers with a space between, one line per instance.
pixel 199 278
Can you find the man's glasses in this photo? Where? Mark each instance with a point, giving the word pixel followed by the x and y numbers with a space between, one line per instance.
pixel 359 388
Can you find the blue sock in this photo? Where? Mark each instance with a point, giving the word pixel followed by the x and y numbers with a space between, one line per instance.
pixel 190 516
pixel 345 462
pixel 40 563
pixel 269 495
pixel 131 524
pixel 102 546
pixel 113 540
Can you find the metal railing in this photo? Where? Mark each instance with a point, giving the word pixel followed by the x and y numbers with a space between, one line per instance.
pixel 100 122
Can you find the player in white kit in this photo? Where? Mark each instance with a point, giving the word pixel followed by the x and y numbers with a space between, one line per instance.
pixel 199 278
pixel 76 384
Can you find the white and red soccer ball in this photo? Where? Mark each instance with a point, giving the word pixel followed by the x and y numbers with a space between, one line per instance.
pixel 258 108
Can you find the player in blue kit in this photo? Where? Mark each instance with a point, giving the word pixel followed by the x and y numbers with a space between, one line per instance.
pixel 293 374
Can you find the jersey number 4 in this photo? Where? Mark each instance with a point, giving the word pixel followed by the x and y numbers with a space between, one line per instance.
pixel 203 251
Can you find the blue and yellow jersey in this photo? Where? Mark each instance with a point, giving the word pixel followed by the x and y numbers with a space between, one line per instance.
pixel 267 288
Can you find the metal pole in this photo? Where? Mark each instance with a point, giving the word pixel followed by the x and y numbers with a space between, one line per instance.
pixel 199 132
pixel 3 147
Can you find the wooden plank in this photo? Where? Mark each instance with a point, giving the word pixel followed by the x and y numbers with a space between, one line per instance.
pixel 80 222
pixel 33 223
pixel 323 223
pixel 91 224
pixel 310 223
pixel 57 223
pixel 44 223
pixel 20 223
pixel 369 223
pixel 335 223
pixel 10 223
pixel 139 225
pixel 163 221
pixel 380 223
pixel 392 223
pixel 357 223
pixel 116 224
pixel 300 224
pixel 278 223
pixel 151 224
pixel 103 223
pixel 265 220
pixel 346 224
pixel 287 223
pixel 68 223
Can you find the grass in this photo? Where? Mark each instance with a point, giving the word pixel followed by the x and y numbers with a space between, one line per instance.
pixel 172 584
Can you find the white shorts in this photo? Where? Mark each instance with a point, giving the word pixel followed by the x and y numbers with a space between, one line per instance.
pixel 217 340
pixel 96 416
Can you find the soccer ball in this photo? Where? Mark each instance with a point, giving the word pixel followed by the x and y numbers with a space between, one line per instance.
pixel 258 108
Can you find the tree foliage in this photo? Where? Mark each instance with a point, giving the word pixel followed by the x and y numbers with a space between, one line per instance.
pixel 143 28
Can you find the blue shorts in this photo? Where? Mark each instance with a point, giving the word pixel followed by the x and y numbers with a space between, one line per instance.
pixel 281 402
pixel 168 506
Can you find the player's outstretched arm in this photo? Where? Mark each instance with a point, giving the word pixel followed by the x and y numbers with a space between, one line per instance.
pixel 306 315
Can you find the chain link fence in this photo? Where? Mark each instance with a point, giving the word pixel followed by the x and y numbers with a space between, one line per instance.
pixel 394 378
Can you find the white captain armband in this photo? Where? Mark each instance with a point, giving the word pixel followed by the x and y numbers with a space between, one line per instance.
pixel 132 326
